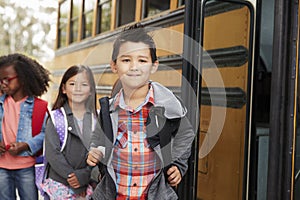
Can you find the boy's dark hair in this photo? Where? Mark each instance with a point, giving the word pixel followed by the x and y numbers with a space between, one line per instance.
pixel 72 71
pixel 33 77
pixel 134 33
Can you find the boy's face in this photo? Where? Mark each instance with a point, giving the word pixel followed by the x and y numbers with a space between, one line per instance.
pixel 134 65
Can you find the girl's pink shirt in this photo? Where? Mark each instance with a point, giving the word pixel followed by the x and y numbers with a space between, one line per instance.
pixel 9 130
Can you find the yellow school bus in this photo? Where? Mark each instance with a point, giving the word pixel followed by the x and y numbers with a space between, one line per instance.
pixel 234 63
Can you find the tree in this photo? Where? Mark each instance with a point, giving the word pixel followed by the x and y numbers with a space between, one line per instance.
pixel 28 27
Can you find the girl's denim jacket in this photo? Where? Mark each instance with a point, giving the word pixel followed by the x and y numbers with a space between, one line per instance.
pixel 24 133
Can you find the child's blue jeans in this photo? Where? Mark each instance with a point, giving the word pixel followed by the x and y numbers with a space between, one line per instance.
pixel 22 179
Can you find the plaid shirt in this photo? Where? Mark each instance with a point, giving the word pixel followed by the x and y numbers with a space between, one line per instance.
pixel 134 161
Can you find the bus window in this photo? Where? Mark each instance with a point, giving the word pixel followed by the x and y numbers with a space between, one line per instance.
pixel 126 12
pixel 87 18
pixel 152 7
pixel 103 16
pixel 224 111
pixel 63 23
pixel 181 2
pixel 74 24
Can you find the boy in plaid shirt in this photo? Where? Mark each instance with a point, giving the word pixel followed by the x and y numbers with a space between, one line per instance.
pixel 144 152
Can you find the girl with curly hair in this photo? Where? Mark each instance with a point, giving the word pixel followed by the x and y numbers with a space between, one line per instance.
pixel 22 80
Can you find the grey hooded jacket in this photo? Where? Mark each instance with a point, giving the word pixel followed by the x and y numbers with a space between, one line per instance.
pixel 169 133
pixel 72 158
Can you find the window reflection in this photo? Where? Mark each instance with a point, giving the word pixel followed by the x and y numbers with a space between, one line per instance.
pixel 152 7
pixel 126 11
pixel 88 18
pixel 63 22
pixel 62 36
pixel 181 2
pixel 104 16
pixel 74 20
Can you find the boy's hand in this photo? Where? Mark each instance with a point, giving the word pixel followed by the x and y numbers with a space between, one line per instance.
pixel 73 181
pixel 17 148
pixel 94 156
pixel 174 176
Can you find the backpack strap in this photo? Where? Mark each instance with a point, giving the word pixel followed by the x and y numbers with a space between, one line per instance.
pixel 106 125
pixel 60 122
pixel 105 121
pixel 38 115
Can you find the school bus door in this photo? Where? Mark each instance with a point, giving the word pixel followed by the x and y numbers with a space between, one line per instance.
pixel 221 72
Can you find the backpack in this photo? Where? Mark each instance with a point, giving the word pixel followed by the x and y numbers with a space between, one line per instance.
pixel 38 114
pixel 60 122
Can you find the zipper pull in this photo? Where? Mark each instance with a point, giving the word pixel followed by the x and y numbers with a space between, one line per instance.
pixel 156 121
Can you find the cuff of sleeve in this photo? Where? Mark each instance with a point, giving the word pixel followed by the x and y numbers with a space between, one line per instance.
pixel 102 150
